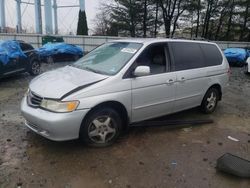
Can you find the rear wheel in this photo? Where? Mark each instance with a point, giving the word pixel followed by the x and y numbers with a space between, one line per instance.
pixel 35 68
pixel 210 101
pixel 101 128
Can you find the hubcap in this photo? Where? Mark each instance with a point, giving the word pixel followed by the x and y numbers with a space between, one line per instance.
pixel 35 68
pixel 101 129
pixel 211 101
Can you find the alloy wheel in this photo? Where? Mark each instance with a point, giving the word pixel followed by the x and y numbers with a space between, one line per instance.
pixel 211 101
pixel 102 129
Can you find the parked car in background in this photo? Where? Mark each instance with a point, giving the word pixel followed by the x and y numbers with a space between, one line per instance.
pixel 236 56
pixel 59 52
pixel 124 82
pixel 18 57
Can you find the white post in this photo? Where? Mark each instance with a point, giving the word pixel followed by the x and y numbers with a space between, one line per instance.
pixel 55 17
pixel 48 16
pixel 2 15
pixel 18 16
pixel 38 17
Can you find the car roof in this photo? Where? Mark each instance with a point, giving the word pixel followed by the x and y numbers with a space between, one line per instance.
pixel 155 40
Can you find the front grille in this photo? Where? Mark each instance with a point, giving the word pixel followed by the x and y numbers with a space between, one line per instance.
pixel 33 99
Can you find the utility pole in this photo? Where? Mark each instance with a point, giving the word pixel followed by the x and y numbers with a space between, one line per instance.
pixel 38 17
pixel 48 16
pixel 2 16
pixel 18 17
pixel 55 17
pixel 82 5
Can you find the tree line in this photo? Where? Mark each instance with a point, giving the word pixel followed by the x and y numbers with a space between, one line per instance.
pixel 208 19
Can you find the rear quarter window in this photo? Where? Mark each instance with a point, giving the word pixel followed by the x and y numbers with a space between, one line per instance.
pixel 187 55
pixel 212 54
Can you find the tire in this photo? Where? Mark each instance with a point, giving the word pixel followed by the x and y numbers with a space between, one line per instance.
pixel 35 68
pixel 50 60
pixel 101 127
pixel 210 101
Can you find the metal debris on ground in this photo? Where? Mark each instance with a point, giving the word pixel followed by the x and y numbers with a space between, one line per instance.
pixel 233 139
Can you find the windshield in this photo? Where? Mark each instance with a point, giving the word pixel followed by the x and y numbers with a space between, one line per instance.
pixel 109 58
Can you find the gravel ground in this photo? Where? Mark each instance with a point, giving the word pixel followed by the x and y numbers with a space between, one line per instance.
pixel 142 157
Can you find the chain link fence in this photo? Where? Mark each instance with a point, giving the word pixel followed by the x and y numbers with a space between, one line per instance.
pixel 88 43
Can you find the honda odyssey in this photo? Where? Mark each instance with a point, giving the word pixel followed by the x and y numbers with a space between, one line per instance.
pixel 123 82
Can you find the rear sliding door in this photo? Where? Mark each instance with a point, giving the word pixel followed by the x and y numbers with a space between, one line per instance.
pixel 188 61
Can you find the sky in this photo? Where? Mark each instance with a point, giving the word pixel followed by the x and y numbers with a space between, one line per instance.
pixel 67 17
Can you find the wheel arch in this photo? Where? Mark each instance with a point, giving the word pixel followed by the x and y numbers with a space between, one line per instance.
pixel 218 87
pixel 118 106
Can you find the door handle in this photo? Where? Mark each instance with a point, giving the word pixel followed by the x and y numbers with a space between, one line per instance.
pixel 170 81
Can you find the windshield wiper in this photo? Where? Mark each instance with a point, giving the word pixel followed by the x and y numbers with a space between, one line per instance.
pixel 95 71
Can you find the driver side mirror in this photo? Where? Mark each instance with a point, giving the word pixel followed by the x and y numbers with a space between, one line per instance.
pixel 142 71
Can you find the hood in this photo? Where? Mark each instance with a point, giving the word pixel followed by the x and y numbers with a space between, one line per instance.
pixel 62 82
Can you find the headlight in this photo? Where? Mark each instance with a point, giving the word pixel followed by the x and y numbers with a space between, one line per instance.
pixel 59 106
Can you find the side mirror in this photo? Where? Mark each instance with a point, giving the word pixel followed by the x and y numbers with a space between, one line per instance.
pixel 142 71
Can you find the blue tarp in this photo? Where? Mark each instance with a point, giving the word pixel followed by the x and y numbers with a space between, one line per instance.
pixel 10 50
pixel 236 55
pixel 59 48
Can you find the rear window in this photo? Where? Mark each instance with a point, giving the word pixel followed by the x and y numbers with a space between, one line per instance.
pixel 212 54
pixel 187 55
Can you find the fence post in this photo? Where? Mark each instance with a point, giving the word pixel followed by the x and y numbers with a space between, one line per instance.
pixel 83 44
pixel 38 40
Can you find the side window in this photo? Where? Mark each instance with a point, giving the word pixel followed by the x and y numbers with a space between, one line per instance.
pixel 26 47
pixel 187 55
pixel 154 57
pixel 212 54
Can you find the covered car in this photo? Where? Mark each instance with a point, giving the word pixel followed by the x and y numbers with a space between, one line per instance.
pixel 236 56
pixel 17 57
pixel 55 52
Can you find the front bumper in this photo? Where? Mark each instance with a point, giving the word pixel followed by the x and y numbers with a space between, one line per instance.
pixel 54 126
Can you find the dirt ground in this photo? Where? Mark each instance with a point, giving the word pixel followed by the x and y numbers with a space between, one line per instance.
pixel 143 157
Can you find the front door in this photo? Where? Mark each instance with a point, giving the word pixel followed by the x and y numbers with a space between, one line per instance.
pixel 153 95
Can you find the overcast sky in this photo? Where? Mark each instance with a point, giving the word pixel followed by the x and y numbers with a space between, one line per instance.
pixel 67 17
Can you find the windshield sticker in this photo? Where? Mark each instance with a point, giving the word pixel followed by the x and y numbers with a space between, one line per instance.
pixel 129 50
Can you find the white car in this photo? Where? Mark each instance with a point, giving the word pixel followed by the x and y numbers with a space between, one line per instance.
pixel 124 82
pixel 247 67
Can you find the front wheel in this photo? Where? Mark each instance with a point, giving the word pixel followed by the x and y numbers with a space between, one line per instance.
pixel 101 128
pixel 35 68
pixel 210 101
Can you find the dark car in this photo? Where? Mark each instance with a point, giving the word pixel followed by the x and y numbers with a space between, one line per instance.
pixel 59 52
pixel 18 57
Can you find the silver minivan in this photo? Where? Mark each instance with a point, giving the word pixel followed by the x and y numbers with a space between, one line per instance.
pixel 123 82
